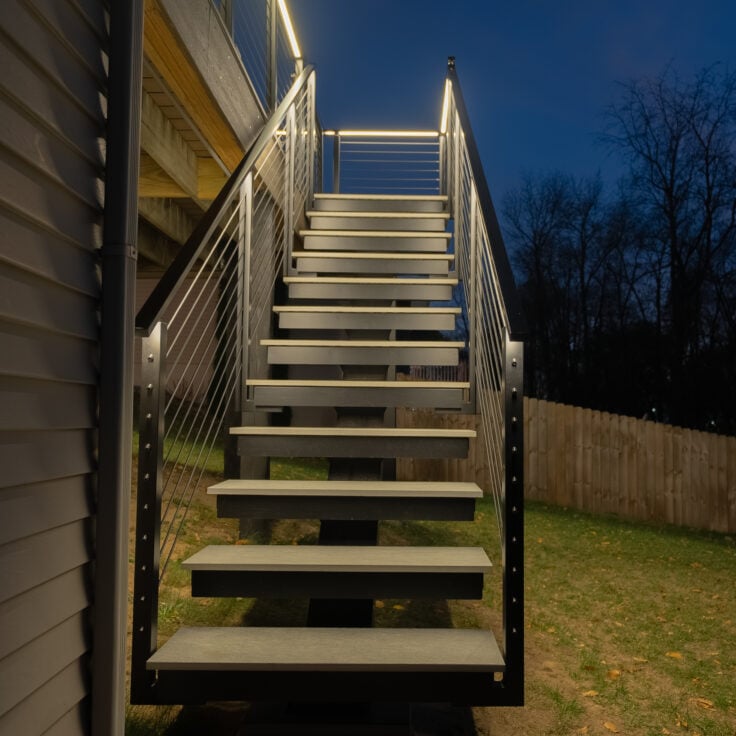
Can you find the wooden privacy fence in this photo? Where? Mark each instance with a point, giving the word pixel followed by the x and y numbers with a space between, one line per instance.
pixel 607 463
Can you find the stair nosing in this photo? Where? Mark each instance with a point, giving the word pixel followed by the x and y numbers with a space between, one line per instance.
pixel 372 255
pixel 338 308
pixel 328 650
pixel 396 281
pixel 297 343
pixel 376 233
pixel 347 383
pixel 387 197
pixel 339 559
pixel 395 432
pixel 336 488
pixel 374 215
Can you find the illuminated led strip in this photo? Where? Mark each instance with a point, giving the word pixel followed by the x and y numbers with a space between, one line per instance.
pixel 295 50
pixel 446 106
pixel 383 133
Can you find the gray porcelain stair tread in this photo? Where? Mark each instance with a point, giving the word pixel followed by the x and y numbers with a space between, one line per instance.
pixel 352 432
pixel 394 280
pixel 339 559
pixel 373 256
pixel 386 197
pixel 338 308
pixel 337 488
pixel 429 234
pixel 404 214
pixel 329 649
pixel 366 343
pixel 346 383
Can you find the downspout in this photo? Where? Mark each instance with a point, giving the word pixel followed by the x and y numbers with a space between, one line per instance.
pixel 117 330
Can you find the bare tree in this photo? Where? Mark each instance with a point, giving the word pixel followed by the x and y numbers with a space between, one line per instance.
pixel 679 139
pixel 538 215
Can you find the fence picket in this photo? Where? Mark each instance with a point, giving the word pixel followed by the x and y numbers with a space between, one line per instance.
pixel 731 483
pixel 604 463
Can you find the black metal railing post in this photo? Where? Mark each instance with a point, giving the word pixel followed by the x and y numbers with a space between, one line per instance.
pixel 148 517
pixel 513 570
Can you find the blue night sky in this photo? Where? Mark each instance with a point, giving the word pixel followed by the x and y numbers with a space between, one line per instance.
pixel 536 75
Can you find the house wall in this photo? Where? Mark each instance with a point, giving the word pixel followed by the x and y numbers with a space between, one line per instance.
pixel 52 161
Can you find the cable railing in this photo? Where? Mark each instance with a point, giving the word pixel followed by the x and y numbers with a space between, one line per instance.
pixel 495 355
pixel 383 161
pixel 203 324
pixel 264 37
pixel 201 328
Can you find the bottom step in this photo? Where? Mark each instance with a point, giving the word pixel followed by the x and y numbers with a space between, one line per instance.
pixel 327 664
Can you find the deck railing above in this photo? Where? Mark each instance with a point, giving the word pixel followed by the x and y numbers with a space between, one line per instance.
pixel 264 37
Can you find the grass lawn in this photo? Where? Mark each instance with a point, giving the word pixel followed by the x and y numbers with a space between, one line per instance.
pixel 631 629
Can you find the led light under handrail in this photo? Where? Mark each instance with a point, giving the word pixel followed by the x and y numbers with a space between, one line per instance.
pixel 295 50
pixel 446 106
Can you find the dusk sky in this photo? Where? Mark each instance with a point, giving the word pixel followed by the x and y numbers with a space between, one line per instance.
pixel 536 75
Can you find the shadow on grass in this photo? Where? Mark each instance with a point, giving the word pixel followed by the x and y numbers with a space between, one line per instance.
pixel 221 719
pixel 386 613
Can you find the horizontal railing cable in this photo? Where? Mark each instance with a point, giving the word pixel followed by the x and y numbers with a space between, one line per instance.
pixel 385 162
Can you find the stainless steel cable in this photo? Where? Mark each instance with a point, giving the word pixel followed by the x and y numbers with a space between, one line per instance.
pixel 205 315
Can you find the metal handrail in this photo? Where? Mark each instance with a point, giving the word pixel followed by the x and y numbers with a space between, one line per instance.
pixel 514 313
pixel 495 360
pixel 151 311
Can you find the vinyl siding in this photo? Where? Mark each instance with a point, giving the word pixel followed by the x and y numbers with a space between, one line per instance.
pixel 52 158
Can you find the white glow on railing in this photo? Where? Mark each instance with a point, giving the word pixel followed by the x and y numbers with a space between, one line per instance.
pixel 388 133
pixel 446 106
pixel 289 30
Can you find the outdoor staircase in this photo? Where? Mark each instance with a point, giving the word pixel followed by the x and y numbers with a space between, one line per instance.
pixel 361 290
